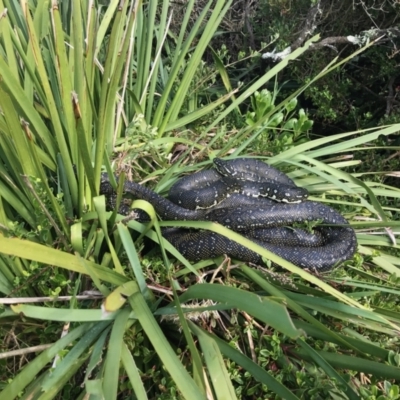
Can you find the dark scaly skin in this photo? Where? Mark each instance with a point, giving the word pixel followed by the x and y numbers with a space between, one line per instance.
pixel 247 215
pixel 202 190
pixel 197 245
pixel 262 178
pixel 249 169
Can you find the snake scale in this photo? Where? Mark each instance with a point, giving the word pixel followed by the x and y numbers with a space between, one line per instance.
pixel 254 199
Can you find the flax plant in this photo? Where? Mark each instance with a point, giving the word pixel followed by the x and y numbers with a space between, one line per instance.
pixel 80 82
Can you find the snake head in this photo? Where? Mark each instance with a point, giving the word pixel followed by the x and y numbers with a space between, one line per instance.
pixel 224 167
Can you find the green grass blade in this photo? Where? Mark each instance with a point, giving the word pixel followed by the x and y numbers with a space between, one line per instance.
pixel 28 373
pixel 363 345
pixel 216 367
pixel 197 114
pixel 134 261
pixel 219 10
pixel 338 144
pixel 259 373
pixel 161 32
pixel 266 254
pixel 133 373
pixel 63 380
pixel 111 81
pixel 198 373
pixel 146 54
pixel 61 314
pixel 96 355
pixel 105 24
pixel 107 99
pixel 25 163
pixel 164 350
pixel 259 83
pixel 5 33
pixel 177 64
pixel 329 370
pixel 46 255
pixel 222 71
pixel 64 81
pixel 329 307
pixel 52 107
pixel 73 355
pixel 100 206
pixel 263 308
pixel 143 229
pixel 78 64
pixel 113 358
pixel 118 297
pixel 356 364
pixel 294 306
pixel 27 109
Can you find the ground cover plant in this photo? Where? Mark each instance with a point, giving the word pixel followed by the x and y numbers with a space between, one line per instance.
pixel 362 93
pixel 86 88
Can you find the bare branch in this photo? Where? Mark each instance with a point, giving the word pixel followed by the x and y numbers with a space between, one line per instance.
pixel 390 97
pixel 27 350
pixel 310 24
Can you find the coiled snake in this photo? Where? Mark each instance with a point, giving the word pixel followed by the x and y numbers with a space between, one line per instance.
pixel 254 199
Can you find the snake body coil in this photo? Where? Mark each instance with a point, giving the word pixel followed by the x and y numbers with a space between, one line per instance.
pixel 238 194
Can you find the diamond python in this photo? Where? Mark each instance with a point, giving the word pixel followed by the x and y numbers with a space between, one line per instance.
pixel 254 199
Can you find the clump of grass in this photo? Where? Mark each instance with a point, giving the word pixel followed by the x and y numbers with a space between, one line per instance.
pixel 80 82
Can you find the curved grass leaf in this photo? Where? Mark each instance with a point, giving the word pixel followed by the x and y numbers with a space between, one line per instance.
pixel 59 385
pixel 14 388
pixel 216 367
pixel 97 354
pixel 198 373
pixel 177 63
pixel 62 314
pixel 100 206
pixel 103 54
pixel 256 371
pixel 117 298
pixel 294 306
pixel 331 372
pixel 364 346
pixel 64 365
pixel 164 350
pixel 266 254
pixel 133 373
pixel 113 358
pixel 47 255
pixel 355 363
pixel 129 247
pixel 263 308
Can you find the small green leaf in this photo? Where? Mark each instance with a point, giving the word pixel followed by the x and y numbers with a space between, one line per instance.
pixel 291 105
